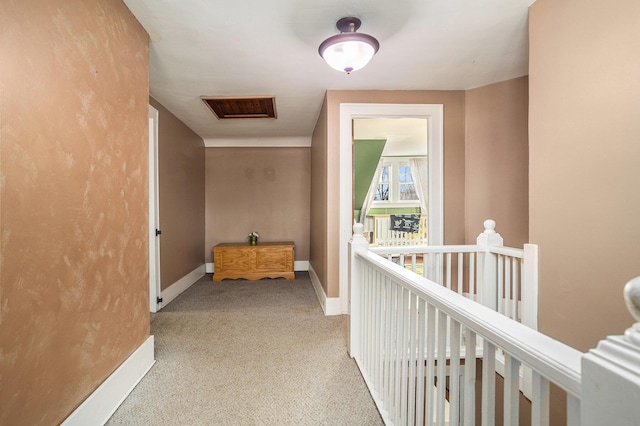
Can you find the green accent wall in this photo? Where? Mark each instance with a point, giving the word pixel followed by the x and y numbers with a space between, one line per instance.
pixel 395 210
pixel 366 154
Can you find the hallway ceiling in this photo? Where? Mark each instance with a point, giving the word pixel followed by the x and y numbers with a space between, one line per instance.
pixel 250 47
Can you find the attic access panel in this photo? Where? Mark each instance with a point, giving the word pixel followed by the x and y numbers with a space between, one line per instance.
pixel 241 107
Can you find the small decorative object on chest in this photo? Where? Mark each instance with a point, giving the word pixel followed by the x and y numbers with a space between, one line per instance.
pixel 253 238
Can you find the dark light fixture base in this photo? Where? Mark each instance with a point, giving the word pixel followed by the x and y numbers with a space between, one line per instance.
pixel 344 23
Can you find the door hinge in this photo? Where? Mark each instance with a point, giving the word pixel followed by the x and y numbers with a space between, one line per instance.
pixel 159 299
pixel 158 232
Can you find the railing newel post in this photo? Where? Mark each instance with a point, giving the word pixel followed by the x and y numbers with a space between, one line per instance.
pixel 357 244
pixel 611 373
pixel 489 288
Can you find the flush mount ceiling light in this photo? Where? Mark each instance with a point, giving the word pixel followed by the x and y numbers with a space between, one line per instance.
pixel 348 51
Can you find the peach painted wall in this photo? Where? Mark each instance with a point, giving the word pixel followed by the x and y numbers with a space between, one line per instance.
pixel 497 160
pixel 258 189
pixel 74 287
pixel 319 212
pixel 453 102
pixel 584 155
pixel 181 197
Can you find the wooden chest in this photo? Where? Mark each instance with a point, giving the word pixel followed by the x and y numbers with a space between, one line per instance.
pixel 264 260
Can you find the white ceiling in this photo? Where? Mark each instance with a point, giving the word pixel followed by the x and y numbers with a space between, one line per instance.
pixel 270 47
pixel 404 136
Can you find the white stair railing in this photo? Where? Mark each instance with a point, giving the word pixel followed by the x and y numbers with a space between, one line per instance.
pixel 502 278
pixel 409 335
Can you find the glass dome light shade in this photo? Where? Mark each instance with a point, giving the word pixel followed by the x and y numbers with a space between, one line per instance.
pixel 348 52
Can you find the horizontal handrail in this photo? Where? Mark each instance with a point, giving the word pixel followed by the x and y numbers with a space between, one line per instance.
pixel 507 251
pixel 554 360
pixel 426 249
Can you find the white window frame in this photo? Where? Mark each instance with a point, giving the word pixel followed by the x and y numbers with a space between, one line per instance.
pixel 394 185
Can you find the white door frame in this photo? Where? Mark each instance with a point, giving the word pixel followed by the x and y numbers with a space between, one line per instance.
pixel 154 217
pixel 433 113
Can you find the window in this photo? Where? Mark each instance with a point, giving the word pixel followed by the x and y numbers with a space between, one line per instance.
pixel 382 194
pixel 396 186
pixel 406 192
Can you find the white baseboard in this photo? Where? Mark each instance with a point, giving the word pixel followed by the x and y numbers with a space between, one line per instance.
pixel 174 290
pixel 298 265
pixel 105 400
pixel 330 305
pixel 301 265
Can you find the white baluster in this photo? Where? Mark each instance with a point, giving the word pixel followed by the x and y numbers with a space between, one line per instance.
pixel 515 294
pixel 500 285
pixel 387 390
pixel 431 348
pixel 573 411
pixel 420 385
pixel 413 317
pixel 488 384
pixel 540 400
pixel 441 373
pixel 470 379
pixel 454 375
pixel 460 272
pixel 389 318
pixel 378 327
pixel 472 275
pixel 403 347
pixel 511 391
pixel 448 273
pixel 506 307
pixel 366 318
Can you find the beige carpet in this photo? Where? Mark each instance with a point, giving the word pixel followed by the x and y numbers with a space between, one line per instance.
pixel 249 353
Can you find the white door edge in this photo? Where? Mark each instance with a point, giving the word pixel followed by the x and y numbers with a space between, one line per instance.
pixel 154 217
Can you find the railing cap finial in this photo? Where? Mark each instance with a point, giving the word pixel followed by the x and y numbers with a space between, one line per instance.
pixel 632 299
pixel 489 226
pixel 489 237
pixel 357 239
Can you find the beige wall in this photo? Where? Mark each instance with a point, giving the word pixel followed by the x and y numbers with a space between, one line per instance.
pixel 319 212
pixel 329 146
pixel 258 189
pixel 181 185
pixel 74 284
pixel 497 160
pixel 584 142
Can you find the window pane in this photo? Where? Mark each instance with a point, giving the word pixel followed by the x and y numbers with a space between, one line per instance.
pixel 407 192
pixel 382 194
pixel 385 174
pixel 405 174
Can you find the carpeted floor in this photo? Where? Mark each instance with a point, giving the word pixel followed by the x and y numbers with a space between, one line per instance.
pixel 249 353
